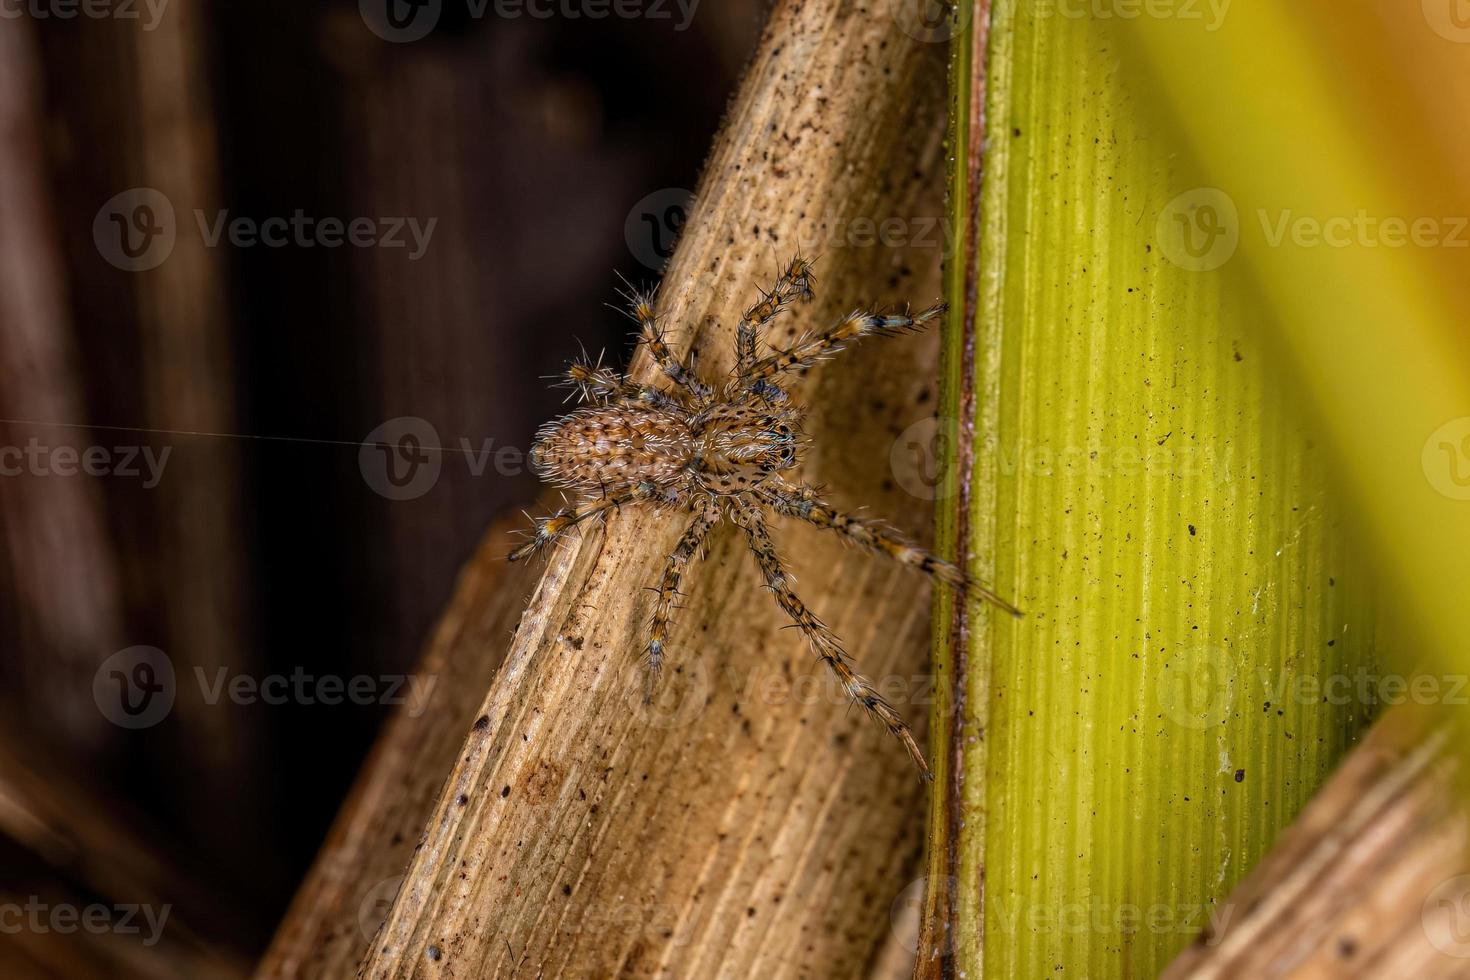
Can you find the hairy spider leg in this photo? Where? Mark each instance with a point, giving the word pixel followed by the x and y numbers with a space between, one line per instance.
pixel 690 545
pixel 600 385
pixel 852 328
pixel 824 643
pixel 640 306
pixel 802 503
pixel 794 282
pixel 549 529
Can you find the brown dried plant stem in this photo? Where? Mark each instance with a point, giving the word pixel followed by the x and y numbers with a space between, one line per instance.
pixel 58 572
pixel 356 874
pixel 1372 880
pixel 750 822
pixel 169 364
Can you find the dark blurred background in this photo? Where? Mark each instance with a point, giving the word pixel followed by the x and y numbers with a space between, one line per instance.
pixel 235 445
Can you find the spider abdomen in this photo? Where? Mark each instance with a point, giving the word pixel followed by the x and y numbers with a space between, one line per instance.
pixel 613 447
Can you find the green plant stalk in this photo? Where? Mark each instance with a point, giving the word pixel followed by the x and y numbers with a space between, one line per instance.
pixel 1372 327
pixel 1111 764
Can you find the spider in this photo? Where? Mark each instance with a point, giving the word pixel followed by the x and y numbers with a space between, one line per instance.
pixel 721 454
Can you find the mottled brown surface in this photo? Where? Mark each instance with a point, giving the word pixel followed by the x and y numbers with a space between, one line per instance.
pixel 750 822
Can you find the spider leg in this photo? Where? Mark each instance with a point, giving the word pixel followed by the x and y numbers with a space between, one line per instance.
pixel 824 643
pixel 600 385
pixel 549 529
pixel 685 551
pixel 652 335
pixel 802 503
pixel 852 328
pixel 794 282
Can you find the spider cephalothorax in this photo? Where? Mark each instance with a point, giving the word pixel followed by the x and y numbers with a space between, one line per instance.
pixel 720 455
